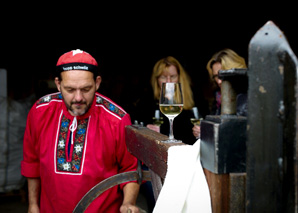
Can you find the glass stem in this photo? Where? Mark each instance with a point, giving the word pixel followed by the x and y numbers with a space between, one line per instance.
pixel 171 136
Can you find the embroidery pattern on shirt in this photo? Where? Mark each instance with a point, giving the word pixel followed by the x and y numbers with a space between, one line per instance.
pixel 109 105
pixel 77 154
pixel 48 98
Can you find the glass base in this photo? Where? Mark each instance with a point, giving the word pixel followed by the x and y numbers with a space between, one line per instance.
pixel 171 141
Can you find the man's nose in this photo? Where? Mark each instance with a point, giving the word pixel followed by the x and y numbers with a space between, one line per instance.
pixel 78 96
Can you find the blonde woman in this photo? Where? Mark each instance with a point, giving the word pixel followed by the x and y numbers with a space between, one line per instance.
pixel 223 60
pixel 170 70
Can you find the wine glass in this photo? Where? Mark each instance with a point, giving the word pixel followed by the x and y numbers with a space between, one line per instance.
pixel 196 119
pixel 171 105
pixel 157 120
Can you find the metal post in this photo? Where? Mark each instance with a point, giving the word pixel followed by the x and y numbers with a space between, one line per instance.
pixel 272 123
pixel 228 100
pixel 3 130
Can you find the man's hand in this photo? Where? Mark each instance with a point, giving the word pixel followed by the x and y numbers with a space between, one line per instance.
pixel 127 208
pixel 33 208
pixel 130 192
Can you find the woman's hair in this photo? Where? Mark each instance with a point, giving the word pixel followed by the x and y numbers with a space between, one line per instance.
pixel 228 59
pixel 184 79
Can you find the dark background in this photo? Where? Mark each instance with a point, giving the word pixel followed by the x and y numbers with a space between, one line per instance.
pixel 127 39
pixel 127 42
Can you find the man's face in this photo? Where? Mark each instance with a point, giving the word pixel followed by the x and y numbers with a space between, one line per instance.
pixel 77 88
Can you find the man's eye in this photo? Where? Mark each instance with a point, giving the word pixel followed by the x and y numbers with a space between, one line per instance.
pixel 85 90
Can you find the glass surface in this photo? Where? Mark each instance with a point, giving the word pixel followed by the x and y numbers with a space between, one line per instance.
pixel 157 120
pixel 195 121
pixel 196 118
pixel 171 105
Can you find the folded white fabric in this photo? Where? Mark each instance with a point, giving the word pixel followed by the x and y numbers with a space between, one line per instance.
pixel 185 189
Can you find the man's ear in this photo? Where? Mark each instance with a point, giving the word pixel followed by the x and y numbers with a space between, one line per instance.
pixel 97 82
pixel 58 84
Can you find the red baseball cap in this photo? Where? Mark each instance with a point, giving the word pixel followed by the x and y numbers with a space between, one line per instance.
pixel 76 60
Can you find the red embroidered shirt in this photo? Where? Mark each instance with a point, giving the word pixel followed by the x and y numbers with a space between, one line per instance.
pixel 97 151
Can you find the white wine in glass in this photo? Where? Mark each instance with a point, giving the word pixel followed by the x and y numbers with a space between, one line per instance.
pixel 171 105
pixel 196 120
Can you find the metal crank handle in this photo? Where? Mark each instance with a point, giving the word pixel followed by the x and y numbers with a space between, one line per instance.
pixel 109 183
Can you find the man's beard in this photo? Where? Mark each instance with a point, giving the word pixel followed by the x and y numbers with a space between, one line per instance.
pixel 72 108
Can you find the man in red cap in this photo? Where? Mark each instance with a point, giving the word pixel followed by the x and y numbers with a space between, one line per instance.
pixel 73 140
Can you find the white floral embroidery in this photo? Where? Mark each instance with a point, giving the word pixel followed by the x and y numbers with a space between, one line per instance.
pixel 66 166
pixel 98 99
pixel 47 99
pixel 61 144
pixel 78 148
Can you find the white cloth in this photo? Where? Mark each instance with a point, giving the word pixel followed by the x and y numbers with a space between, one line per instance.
pixel 185 189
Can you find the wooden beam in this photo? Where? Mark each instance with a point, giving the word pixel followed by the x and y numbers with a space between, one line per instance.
pixel 219 191
pixel 146 145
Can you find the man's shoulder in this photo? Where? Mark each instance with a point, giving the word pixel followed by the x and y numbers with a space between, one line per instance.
pixel 109 106
pixel 49 100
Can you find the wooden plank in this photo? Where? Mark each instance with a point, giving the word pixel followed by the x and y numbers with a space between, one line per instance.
pixel 227 191
pixel 157 183
pixel 237 192
pixel 146 145
pixel 219 191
